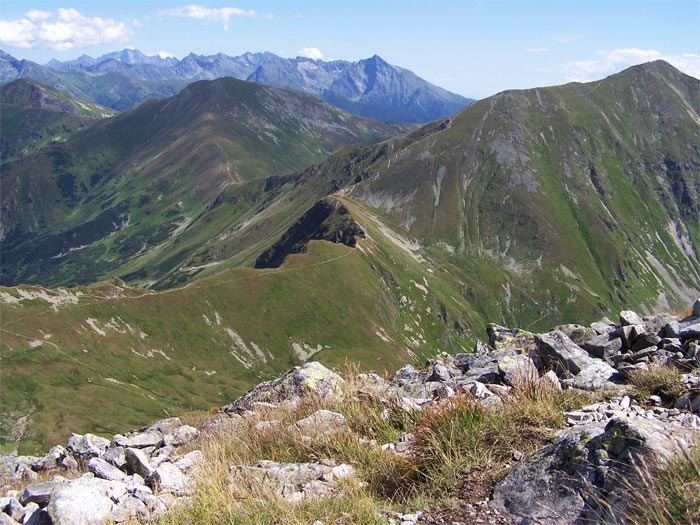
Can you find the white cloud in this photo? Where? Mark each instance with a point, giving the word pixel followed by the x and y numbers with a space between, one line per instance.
pixel 538 50
pixel 311 52
pixel 611 61
pixel 62 29
pixel 205 13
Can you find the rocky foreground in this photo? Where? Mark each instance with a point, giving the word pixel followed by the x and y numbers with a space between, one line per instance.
pixel 584 473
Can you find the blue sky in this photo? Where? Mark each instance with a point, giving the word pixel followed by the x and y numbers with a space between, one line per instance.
pixel 473 47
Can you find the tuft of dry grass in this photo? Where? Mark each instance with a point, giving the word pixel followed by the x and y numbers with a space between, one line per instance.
pixel 663 381
pixel 667 495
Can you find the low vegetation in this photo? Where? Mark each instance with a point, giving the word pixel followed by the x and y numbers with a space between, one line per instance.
pixel 455 440
pixel 671 494
pixel 662 381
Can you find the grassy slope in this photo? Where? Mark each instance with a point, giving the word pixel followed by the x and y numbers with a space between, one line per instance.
pixel 33 116
pixel 566 187
pixel 342 303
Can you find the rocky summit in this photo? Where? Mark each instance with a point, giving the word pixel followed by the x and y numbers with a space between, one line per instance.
pixel 580 421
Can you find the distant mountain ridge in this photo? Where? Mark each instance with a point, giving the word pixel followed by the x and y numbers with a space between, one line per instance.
pixel 370 88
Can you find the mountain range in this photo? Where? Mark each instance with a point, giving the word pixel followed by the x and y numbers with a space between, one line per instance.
pixel 208 223
pixel 370 88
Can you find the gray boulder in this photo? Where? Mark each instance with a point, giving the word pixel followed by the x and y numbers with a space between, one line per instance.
pixel 84 501
pixel 561 354
pixel 628 317
pixel 690 332
pixel 105 470
pixel 87 446
pixel 294 482
pixel 38 517
pixel 181 436
pixel 321 423
pixel 576 332
pixel 138 462
pixel 580 478
pixel 672 329
pixel 310 379
pixel 167 478
pixel 602 346
pixel 37 493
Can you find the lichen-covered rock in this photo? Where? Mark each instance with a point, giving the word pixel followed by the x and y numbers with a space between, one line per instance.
pixel 577 333
pixel 580 478
pixel 501 338
pixel 87 446
pixel 310 379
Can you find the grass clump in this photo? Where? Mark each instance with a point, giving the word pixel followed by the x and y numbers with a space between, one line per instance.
pixel 662 381
pixel 670 495
pixel 461 437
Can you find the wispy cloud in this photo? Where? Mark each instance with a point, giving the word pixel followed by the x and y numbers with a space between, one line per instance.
pixel 61 29
pixel 538 50
pixel 222 14
pixel 312 52
pixel 610 61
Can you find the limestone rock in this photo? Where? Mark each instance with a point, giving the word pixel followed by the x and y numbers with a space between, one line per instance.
pixel 628 317
pixel 87 446
pixel 37 493
pixel 138 462
pixel 167 478
pixel 310 379
pixel 577 333
pixel 83 501
pixel 105 470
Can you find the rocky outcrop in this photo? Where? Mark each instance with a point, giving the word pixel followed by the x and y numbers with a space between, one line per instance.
pixel 137 475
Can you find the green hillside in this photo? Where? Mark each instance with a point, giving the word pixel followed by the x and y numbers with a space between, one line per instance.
pixel 115 199
pixel 33 116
